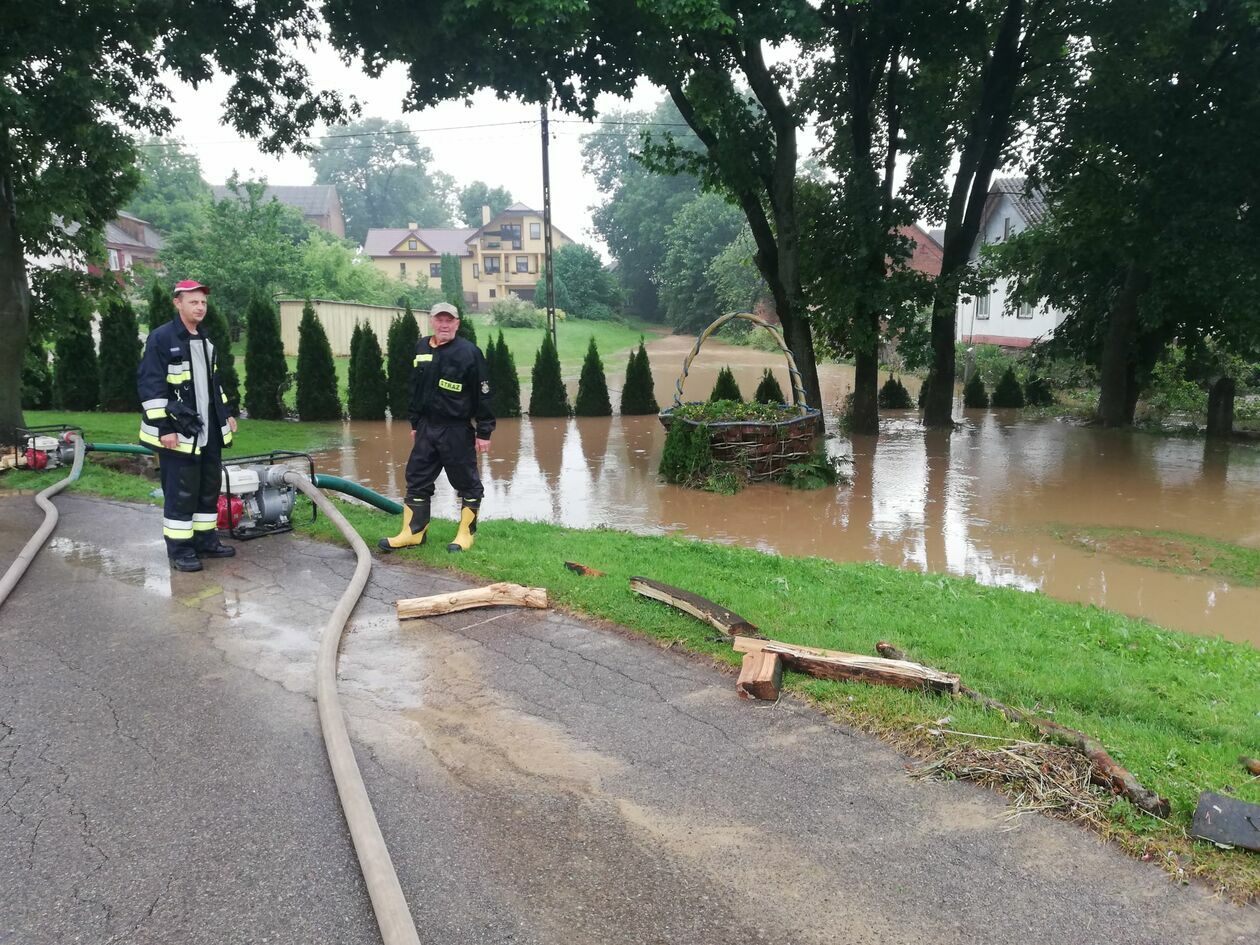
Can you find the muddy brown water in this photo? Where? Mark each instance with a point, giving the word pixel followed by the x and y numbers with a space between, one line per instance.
pixel 993 501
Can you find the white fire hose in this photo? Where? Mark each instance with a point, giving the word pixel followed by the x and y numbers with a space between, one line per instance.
pixel 44 501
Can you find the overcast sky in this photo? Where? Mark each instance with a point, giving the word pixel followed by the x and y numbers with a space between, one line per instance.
pixel 508 155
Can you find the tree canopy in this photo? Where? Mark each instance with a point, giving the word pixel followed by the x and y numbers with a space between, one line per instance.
pixel 479 194
pixel 382 176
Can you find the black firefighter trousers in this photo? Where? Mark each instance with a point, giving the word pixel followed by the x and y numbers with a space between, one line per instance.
pixel 444 447
pixel 190 496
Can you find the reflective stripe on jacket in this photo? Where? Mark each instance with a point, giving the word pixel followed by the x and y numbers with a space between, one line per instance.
pixel 165 375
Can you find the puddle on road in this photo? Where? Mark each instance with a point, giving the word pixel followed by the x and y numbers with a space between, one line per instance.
pixel 986 502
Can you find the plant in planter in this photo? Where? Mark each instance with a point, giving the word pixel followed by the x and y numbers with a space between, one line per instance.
pixel 725 388
pixel 769 391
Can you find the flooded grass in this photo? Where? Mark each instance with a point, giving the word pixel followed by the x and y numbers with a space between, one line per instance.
pixel 1177 552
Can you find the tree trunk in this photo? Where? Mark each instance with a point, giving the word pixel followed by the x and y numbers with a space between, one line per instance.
pixel 15 306
pixel 1117 398
pixel 1220 417
pixel 864 418
pixel 938 406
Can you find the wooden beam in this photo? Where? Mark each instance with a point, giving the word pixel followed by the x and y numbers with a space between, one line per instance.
pixel 492 595
pixel 716 616
pixel 833 664
pixel 760 676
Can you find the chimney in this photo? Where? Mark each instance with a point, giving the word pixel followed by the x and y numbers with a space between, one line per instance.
pixel 411 226
pixel 485 214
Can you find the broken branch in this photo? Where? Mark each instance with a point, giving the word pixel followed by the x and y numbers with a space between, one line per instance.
pixel 583 569
pixel 699 607
pixel 492 595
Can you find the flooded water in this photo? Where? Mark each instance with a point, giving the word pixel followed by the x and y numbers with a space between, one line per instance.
pixel 993 501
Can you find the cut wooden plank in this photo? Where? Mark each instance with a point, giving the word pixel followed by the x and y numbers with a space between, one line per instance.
pixel 1224 819
pixel 491 596
pixel 583 569
pixel 833 664
pixel 701 608
pixel 760 676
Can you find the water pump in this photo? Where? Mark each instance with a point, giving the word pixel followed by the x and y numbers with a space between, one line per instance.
pixel 47 447
pixel 254 499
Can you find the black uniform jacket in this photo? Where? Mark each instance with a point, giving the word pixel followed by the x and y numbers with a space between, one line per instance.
pixel 165 376
pixel 450 385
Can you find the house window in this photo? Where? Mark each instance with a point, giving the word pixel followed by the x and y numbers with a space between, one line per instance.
pixel 510 231
pixel 1025 310
pixel 492 293
pixel 402 271
pixel 412 245
pixel 982 306
pixel 1007 228
pixel 113 260
pixel 522 264
pixel 535 231
pixel 476 271
pixel 492 265
pixel 435 270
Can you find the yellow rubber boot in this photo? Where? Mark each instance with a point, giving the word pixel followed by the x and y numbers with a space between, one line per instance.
pixel 467 526
pixel 415 527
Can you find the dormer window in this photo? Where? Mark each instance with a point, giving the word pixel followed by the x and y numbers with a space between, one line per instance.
pixel 412 245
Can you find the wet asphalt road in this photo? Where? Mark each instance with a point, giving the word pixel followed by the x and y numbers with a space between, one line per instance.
pixel 539 779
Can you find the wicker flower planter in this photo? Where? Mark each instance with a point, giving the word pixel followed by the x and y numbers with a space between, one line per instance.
pixel 758 449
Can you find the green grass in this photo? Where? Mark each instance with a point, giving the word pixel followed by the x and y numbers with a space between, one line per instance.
pixel 1175 709
pixel 1176 552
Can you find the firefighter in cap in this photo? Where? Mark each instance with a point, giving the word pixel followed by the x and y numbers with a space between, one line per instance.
pixel 451 422
pixel 185 418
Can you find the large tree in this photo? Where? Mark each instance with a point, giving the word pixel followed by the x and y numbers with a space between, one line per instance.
pixel 1153 192
pixel 708 55
pixel 639 203
pixel 382 176
pixel 699 233
pixel 479 194
pixel 171 194
pixel 75 77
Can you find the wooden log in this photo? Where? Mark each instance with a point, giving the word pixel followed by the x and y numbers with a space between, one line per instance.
pixel 1251 764
pixel 491 596
pixel 716 616
pixel 583 569
pixel 833 664
pixel 760 676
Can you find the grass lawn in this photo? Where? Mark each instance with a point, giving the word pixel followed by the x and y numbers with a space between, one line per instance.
pixel 1176 710
pixel 1171 551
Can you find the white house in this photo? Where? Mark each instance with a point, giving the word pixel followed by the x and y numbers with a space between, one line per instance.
pixel 990 319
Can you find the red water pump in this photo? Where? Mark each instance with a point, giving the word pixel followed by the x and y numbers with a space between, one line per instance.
pixel 48 447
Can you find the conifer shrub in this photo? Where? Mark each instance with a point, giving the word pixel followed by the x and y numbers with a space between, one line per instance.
pixel 638 396
pixel 1037 392
pixel 467 330
pixel 356 340
pixel 769 391
pixel 974 393
pixel 119 358
pixel 894 396
pixel 37 375
pixel 316 373
pixel 161 305
pixel 592 394
pixel 400 347
pixel 220 334
pixel 725 388
pixel 369 397
pixel 1008 393
pixel 687 457
pixel 548 398
pixel 506 386
pixel 266 371
pixel 76 376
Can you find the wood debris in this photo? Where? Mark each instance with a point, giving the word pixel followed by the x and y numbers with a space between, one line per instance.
pixel 583 570
pixel 760 676
pixel 493 595
pixel 833 664
pixel 728 623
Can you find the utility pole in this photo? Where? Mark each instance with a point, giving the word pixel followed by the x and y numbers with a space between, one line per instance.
pixel 551 284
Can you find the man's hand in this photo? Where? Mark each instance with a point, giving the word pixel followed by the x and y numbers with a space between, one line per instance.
pixel 169 440
pixel 413 434
pixel 232 424
pixel 483 446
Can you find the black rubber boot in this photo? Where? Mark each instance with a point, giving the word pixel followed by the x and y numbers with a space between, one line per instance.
pixel 415 527
pixel 467 525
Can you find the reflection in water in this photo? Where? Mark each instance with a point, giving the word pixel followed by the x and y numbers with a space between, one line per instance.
pixel 984 502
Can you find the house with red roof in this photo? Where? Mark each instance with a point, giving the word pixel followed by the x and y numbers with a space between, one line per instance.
pixel 502 256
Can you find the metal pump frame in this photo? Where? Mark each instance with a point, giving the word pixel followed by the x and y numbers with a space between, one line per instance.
pixel 275 457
